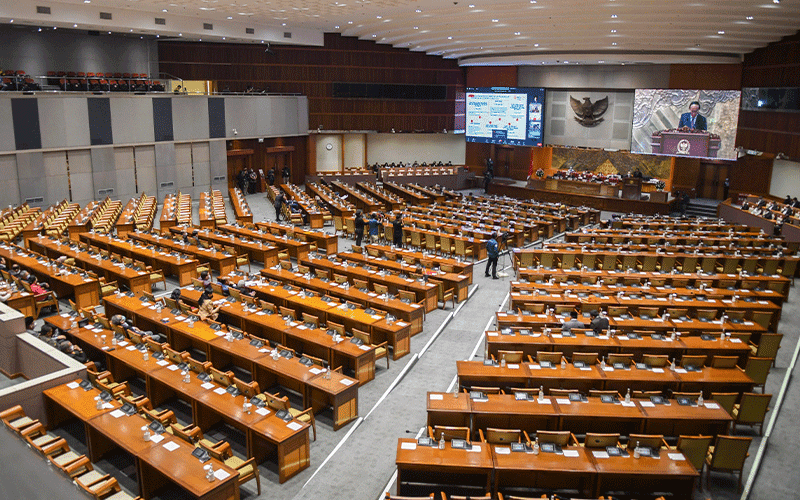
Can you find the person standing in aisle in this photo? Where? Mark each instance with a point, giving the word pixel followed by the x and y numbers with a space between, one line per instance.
pixel 359 227
pixel 492 252
pixel 397 231
pixel 287 174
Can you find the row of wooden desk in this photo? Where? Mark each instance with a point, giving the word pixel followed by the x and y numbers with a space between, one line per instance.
pixel 168 460
pixel 241 208
pixel 173 261
pixel 135 280
pixel 64 282
pixel 532 341
pixel 525 374
pixel 485 467
pixel 223 261
pixel 340 392
pixel 559 413
pixel 411 313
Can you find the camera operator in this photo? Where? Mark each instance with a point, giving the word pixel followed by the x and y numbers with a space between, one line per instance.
pixel 492 252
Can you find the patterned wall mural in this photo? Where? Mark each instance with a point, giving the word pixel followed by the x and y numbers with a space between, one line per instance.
pixel 610 162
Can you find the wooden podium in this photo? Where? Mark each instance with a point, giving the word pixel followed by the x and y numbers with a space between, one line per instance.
pixel 632 188
pixel 677 143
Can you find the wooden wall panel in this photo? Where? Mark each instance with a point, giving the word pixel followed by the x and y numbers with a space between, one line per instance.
pixel 491 76
pixel 311 71
pixel 684 174
pixel 776 65
pixel 705 76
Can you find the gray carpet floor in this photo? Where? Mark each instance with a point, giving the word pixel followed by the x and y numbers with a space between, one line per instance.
pixel 357 461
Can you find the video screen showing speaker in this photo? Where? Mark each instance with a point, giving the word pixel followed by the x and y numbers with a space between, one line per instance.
pixel 505 115
pixel 692 123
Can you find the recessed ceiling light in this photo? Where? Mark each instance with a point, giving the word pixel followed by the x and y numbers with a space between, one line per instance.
pixel 533 1
pixel 223 38
pixel 87 1
pixel 40 29
pixel 495 20
pixel 230 17
pixel 449 37
pixel 74 25
pixel 517 33
pixel 336 27
pixel 157 36
pixel 163 10
pixel 180 34
pixel 720 32
pixel 566 62
pixel 349 22
pixel 613 43
pixel 55 27
pixel 200 40
pixel 749 18
pixel 418 11
pixel 131 31
pixel 613 16
pixel 374 36
pixel 11 21
pixel 613 31
pixel 283 24
pixel 472 6
pixel 379 17
pixel 416 27
pixel 110 33
pixel 535 44
pixel 776 1
pixel 141 38
pixel 600 62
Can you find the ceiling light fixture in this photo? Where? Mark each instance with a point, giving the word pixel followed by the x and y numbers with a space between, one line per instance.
pixel 720 32
pixel 749 18
pixel 535 44
pixel 613 16
pixel 11 21
pixel 379 17
pixel 495 20
pixel 613 31
pixel 416 27
pixel 74 25
pixel 449 37
pixel 472 6
pixel 776 1
pixel 517 33
pixel 418 11
pixel 336 27
pixel 230 17
pixel 613 43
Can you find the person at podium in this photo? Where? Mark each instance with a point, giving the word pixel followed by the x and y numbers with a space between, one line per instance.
pixel 693 119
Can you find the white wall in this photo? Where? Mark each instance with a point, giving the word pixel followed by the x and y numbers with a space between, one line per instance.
pixel 388 148
pixel 785 179
pixel 354 146
pixel 36 53
pixel 329 160
pixel 651 76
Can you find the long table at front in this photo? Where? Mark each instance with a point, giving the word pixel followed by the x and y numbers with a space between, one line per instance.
pixel 559 413
pixel 85 290
pixel 707 379
pixel 340 392
pixel 168 459
pixel 428 469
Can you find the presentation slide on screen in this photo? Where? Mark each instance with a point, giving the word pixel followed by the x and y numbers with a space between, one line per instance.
pixel 697 123
pixel 505 115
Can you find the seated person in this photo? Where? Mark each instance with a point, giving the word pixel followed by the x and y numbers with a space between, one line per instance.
pixel 225 285
pixel 5 294
pixel 205 278
pixel 73 351
pixel 242 287
pixel 598 323
pixel 39 289
pixel 121 321
pixel 176 296
pixel 572 323
pixel 15 270
pixel 207 309
pixel 51 335
pixel 3 264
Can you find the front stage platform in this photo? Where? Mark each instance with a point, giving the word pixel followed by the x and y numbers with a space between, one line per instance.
pixel 606 203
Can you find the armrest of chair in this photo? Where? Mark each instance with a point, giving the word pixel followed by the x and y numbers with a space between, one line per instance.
pixel 12 413
pixel 102 487
pixel 78 466
pixel 384 344
pixel 482 437
pixel 338 369
pixel 164 417
pixel 573 439
pixel 220 450
pixel 530 359
pixel 33 426
pixel 105 375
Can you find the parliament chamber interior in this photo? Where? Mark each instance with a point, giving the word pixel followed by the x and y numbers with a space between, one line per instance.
pixel 392 250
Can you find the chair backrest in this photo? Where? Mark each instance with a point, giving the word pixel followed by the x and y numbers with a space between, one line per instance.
pixel 447 432
pixel 502 436
pixel 248 389
pixel 175 356
pixel 753 408
pixel 561 438
pixel 553 357
pixel 758 369
pixel 510 356
pixel 222 378
pixel 364 337
pixel 594 440
pixel 615 357
pixel 730 452
pixel 725 399
pixel 655 360
pixel 698 360
pixel 649 440
pixel 694 448
pixel 197 366
pixel 588 358
pixel 724 361
pixel 768 345
pixel 276 402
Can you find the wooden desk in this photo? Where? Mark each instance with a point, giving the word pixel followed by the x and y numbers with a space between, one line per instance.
pixel 255 250
pixel 543 471
pixel 328 243
pixel 425 469
pixel 295 248
pixel 173 263
pixel 222 262
pixel 85 290
pixel 645 475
